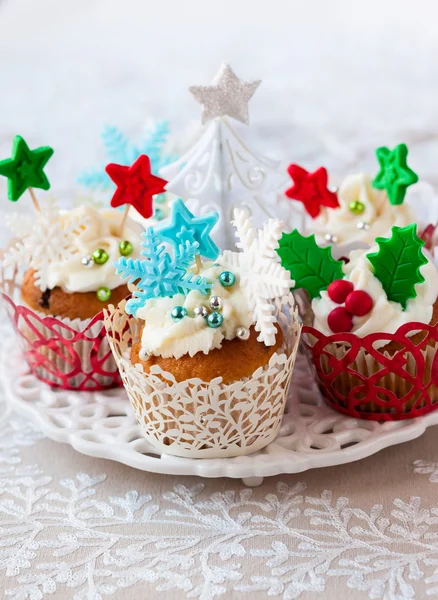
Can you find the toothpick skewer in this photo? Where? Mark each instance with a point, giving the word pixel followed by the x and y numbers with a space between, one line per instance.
pixel 34 200
pixel 123 221
pixel 199 264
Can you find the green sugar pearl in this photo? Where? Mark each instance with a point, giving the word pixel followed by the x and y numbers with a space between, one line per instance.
pixel 227 279
pixel 100 256
pixel 356 207
pixel 126 248
pixel 103 294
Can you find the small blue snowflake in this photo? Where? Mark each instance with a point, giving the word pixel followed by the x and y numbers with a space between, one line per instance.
pixel 160 275
pixel 121 150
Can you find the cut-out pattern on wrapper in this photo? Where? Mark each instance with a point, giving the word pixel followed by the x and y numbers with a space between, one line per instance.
pixel 71 354
pixel 103 424
pixel 198 419
pixel 350 380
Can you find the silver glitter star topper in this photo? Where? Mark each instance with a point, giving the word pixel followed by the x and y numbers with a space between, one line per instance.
pixel 226 95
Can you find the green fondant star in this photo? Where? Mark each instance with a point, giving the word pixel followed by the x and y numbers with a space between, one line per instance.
pixel 25 168
pixel 394 176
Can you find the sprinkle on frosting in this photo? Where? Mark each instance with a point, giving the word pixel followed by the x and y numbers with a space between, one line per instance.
pixel 62 247
pixel 376 219
pixel 164 336
pixel 191 307
pixel 100 232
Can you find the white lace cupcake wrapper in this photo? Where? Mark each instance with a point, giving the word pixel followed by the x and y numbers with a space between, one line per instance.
pixel 196 419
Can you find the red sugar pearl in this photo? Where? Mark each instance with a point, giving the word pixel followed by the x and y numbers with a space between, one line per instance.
pixel 339 289
pixel 359 303
pixel 340 320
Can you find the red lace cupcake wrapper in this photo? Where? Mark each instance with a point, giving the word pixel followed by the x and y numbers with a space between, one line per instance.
pixel 366 382
pixel 73 355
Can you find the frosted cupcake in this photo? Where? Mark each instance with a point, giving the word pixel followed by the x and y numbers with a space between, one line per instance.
pixel 363 214
pixel 57 277
pixel 361 209
pixel 206 349
pixel 372 324
pixel 56 304
pixel 73 276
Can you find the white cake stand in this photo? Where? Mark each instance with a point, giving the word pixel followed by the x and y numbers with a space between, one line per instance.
pixel 102 424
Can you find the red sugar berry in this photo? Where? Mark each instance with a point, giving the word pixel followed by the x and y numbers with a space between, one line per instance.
pixel 359 303
pixel 340 320
pixel 339 289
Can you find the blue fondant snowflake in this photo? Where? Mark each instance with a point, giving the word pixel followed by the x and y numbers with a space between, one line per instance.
pixel 121 150
pixel 160 274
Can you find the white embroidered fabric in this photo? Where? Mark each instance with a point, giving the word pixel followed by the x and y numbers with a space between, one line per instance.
pixel 74 528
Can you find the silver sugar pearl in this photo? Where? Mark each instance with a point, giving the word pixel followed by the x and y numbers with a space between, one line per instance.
pixel 332 239
pixel 242 333
pixel 87 262
pixel 216 302
pixel 363 225
pixel 200 311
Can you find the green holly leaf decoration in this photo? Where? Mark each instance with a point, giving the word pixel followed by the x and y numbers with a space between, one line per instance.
pixel 397 263
pixel 394 176
pixel 25 168
pixel 312 267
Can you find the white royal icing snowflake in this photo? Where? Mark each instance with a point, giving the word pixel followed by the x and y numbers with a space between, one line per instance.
pixel 41 240
pixel 258 266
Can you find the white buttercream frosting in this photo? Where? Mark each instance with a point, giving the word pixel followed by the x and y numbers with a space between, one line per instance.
pixel 385 316
pixel 379 213
pixel 162 336
pixel 100 230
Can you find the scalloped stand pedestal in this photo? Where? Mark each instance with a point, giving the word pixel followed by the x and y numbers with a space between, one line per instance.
pixel 102 424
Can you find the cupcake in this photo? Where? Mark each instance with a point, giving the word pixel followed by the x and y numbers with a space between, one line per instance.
pixel 56 304
pixel 362 209
pixel 78 282
pixel 371 323
pixel 207 343
pixel 58 275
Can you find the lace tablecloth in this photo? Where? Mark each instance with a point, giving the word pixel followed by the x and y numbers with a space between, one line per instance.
pixel 336 85
pixel 76 527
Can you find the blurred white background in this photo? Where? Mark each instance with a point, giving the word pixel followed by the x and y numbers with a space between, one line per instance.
pixel 339 77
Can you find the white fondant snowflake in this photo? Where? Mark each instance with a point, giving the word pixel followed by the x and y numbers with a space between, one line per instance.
pixel 258 267
pixel 42 239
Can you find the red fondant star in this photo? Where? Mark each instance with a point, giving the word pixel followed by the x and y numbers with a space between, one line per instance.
pixel 135 185
pixel 311 189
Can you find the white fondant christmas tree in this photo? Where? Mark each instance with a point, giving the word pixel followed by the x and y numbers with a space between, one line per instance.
pixel 221 172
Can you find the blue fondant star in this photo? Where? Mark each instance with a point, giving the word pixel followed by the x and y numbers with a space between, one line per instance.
pixel 184 226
